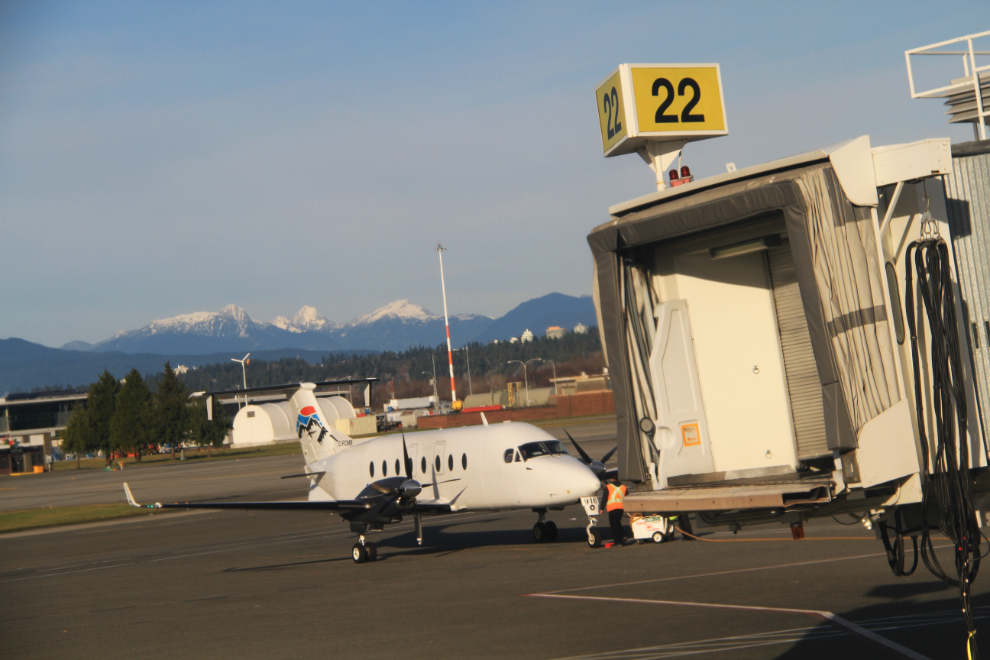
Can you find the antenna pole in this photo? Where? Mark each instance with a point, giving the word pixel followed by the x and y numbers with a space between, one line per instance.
pixel 450 353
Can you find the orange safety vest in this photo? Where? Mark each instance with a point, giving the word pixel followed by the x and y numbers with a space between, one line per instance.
pixel 615 495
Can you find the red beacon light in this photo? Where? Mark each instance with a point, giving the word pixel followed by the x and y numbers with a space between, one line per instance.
pixel 684 177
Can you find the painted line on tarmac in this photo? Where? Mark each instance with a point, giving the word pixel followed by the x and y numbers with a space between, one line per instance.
pixel 821 614
pixel 732 572
pixel 85 570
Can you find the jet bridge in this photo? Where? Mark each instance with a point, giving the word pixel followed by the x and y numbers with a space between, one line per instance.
pixel 755 330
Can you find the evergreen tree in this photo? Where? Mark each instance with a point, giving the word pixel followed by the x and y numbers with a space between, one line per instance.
pixel 206 433
pixel 172 421
pixel 130 427
pixel 78 437
pixel 100 405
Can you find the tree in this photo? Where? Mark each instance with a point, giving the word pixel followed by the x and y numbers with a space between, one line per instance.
pixel 206 433
pixel 78 436
pixel 172 422
pixel 101 405
pixel 130 427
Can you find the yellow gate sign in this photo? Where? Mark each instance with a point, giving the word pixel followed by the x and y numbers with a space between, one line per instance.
pixel 638 103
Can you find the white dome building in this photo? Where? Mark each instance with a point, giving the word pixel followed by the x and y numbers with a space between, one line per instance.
pixel 267 423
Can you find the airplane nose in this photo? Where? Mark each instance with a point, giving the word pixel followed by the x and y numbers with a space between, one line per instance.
pixel 582 481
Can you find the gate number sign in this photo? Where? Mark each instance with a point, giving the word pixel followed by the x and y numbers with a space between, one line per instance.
pixel 660 102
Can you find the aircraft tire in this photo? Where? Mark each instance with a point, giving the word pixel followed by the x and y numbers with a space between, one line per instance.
pixel 551 531
pixel 595 538
pixel 372 551
pixel 359 553
pixel 540 532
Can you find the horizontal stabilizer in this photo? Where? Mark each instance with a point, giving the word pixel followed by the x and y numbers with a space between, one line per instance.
pixel 283 388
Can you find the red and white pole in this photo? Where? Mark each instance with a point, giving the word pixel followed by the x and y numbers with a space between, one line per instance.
pixel 450 353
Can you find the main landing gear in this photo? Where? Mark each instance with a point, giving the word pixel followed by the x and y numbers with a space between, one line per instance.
pixel 364 551
pixel 545 531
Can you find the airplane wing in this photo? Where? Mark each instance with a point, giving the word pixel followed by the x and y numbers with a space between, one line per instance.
pixel 333 505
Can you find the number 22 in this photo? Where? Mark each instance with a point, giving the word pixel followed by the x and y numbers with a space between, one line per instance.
pixel 611 102
pixel 686 116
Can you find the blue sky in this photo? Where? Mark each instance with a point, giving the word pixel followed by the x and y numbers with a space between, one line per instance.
pixel 165 158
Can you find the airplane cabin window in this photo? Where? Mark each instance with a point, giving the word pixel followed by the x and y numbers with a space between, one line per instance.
pixel 384 468
pixel 396 466
pixel 508 455
pixel 464 461
pixel 423 465
pixel 438 463
pixel 450 462
pixel 371 469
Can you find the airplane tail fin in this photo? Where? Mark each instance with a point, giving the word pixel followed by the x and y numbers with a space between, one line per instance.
pixel 318 438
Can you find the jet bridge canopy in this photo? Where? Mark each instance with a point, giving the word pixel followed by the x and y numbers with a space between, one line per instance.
pixel 819 207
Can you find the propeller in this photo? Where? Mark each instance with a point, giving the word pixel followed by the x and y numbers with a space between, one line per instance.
pixel 598 467
pixel 405 487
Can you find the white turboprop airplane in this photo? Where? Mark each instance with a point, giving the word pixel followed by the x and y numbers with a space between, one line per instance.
pixel 375 482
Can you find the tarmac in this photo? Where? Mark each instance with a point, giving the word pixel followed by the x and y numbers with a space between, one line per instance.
pixel 271 584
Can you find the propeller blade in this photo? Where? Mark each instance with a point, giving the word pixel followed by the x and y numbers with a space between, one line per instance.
pixel 609 455
pixel 584 455
pixel 405 458
pixel 437 483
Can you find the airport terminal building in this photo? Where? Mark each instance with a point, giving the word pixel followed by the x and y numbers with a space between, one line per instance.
pixel 28 425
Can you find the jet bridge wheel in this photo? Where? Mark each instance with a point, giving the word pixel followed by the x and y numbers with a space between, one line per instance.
pixel 359 553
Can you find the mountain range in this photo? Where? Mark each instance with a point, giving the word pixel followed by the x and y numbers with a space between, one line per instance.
pixel 211 337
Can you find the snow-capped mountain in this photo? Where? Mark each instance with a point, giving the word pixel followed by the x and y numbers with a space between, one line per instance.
pixel 306 319
pixel 396 326
pixel 400 309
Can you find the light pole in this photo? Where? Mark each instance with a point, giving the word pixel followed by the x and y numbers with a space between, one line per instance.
pixel 468 354
pixel 450 353
pixel 554 375
pixel 525 376
pixel 244 361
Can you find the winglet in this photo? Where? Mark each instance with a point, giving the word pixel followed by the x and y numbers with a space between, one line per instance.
pixel 484 420
pixel 130 500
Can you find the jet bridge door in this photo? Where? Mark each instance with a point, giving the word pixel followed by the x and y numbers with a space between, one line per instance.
pixel 682 429
pixel 804 388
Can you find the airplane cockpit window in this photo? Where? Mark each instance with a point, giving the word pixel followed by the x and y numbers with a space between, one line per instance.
pixel 518 458
pixel 544 448
pixel 508 455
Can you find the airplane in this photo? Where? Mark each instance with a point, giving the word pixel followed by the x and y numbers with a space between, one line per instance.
pixel 376 482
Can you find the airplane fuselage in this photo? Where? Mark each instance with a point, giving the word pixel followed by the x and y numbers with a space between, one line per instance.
pixel 499 466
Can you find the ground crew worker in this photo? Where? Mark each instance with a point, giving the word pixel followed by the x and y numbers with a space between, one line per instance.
pixel 616 492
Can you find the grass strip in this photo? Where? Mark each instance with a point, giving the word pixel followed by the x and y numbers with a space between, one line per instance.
pixel 194 455
pixel 15 521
